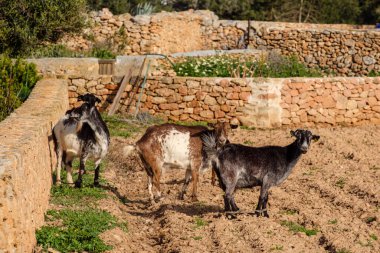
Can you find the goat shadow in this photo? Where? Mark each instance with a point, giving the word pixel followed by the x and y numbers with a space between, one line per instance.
pixel 190 209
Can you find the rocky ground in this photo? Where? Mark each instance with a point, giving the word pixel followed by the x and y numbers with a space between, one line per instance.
pixel 330 202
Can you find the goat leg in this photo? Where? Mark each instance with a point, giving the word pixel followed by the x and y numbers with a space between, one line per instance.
pixel 195 175
pixel 97 170
pixel 263 199
pixel 78 183
pixel 185 184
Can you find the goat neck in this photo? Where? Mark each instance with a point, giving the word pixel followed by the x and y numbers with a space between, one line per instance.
pixel 293 154
pixel 98 126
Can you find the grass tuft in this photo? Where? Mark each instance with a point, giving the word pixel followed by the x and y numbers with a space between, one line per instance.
pixel 79 230
pixel 199 222
pixel 295 227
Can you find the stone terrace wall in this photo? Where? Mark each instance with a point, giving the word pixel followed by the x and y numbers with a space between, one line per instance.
pixel 26 153
pixel 259 102
pixel 345 49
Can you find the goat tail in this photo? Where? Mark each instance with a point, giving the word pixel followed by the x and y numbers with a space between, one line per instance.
pixel 129 149
pixel 209 145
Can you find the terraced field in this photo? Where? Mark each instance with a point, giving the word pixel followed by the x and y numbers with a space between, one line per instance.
pixel 330 202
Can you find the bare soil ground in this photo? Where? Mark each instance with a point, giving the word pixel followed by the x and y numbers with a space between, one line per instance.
pixel 334 189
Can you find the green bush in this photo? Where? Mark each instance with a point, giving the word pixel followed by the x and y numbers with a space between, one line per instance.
pixel 27 24
pixel 227 66
pixel 17 79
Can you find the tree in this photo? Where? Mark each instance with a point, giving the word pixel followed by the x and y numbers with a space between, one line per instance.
pixel 25 24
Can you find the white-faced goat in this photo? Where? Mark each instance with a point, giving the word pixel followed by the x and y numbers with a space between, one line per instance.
pixel 239 166
pixel 81 133
pixel 174 146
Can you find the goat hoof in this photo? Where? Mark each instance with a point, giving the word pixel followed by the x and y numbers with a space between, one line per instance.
pixel 78 184
pixel 96 184
pixel 194 198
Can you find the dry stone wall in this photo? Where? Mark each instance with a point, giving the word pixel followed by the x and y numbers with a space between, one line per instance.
pixel 346 49
pixel 259 102
pixel 26 160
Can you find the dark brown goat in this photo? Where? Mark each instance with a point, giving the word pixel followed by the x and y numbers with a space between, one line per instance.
pixel 174 146
pixel 239 166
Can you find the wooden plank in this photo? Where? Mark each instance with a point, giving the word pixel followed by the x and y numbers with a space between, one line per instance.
pixel 135 87
pixel 115 104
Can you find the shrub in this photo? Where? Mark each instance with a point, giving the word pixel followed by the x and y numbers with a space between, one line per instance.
pixel 26 24
pixel 227 66
pixel 17 79
pixel 56 50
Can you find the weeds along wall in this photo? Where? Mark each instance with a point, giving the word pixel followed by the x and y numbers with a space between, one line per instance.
pixel 346 49
pixel 26 162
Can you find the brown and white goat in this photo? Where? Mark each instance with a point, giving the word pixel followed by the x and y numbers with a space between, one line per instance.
pixel 174 146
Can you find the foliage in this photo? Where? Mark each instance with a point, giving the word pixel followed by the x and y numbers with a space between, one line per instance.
pixel 295 227
pixel 143 9
pixel 319 11
pixel 79 231
pixel 226 66
pixel 56 50
pixel 16 82
pixel 27 24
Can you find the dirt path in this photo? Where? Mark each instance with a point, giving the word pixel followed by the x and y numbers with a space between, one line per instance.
pixel 334 189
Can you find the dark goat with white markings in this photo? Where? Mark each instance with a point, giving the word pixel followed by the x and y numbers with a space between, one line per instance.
pixel 81 133
pixel 174 146
pixel 239 166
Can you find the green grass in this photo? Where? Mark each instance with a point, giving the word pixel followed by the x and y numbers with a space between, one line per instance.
pixel 199 222
pixel 373 237
pixel 128 126
pixel 249 143
pixel 79 230
pixel 190 123
pixel 76 226
pixel 197 238
pixel 370 219
pixel 344 250
pixel 277 247
pixel 69 196
pixel 118 126
pixel 333 222
pixel 340 183
pixel 295 227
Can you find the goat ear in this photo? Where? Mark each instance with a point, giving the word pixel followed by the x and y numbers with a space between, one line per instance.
pixel 80 98
pixel 293 133
pixel 98 100
pixel 315 137
pixel 234 126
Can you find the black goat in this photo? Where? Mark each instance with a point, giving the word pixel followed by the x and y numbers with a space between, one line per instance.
pixel 81 133
pixel 239 166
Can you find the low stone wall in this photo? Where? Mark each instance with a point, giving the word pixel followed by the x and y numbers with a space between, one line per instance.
pixel 259 102
pixel 346 49
pixel 26 160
